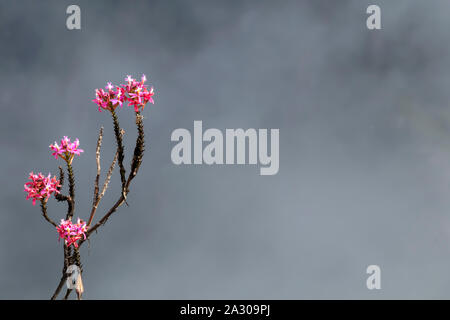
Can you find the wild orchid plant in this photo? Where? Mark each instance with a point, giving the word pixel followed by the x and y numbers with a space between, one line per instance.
pixel 40 187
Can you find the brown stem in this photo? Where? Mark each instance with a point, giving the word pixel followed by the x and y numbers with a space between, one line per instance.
pixel 135 164
pixel 105 217
pixel 97 158
pixel 61 177
pixel 64 274
pixel 70 204
pixel 105 186
pixel 61 197
pixel 58 289
pixel 108 177
pixel 71 191
pixel 120 149
pixel 139 148
pixel 44 212
pixel 66 296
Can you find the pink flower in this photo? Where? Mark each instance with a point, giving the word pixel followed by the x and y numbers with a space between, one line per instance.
pixel 138 95
pixel 41 187
pixel 109 99
pixel 67 150
pixel 72 232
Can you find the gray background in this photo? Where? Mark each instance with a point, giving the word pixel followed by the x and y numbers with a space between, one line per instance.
pixel 364 125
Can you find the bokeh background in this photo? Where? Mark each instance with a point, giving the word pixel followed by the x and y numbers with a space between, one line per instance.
pixel 364 125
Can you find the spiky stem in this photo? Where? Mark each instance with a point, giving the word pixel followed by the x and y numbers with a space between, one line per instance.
pixel 44 212
pixel 71 190
pixel 135 164
pixel 120 149
pixel 140 146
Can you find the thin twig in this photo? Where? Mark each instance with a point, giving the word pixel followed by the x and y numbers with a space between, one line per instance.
pixel 105 185
pixel 105 217
pixel 97 158
pixel 108 177
pixel 135 164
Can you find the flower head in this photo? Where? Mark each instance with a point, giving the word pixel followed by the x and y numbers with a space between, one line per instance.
pixel 109 99
pixel 66 150
pixel 41 187
pixel 138 94
pixel 72 232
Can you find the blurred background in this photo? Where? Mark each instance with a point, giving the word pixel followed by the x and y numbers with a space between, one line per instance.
pixel 364 125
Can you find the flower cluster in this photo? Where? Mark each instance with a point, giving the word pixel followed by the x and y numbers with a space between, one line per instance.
pixel 136 93
pixel 67 150
pixel 109 99
pixel 41 187
pixel 72 232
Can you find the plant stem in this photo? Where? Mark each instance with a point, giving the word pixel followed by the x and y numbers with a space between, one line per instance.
pixel 44 212
pixel 67 294
pixel 140 145
pixel 71 190
pixel 58 289
pixel 120 149
pixel 135 164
